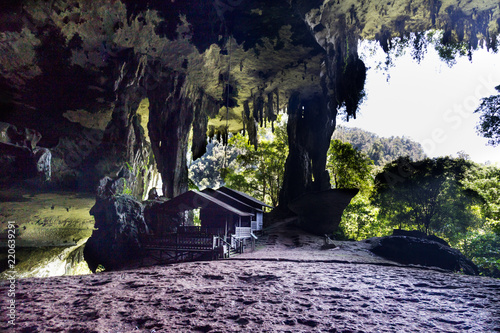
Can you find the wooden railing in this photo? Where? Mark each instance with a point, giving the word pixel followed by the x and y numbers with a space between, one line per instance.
pixel 243 232
pixel 179 241
pixel 200 230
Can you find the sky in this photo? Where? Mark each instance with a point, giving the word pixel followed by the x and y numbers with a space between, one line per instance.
pixel 431 102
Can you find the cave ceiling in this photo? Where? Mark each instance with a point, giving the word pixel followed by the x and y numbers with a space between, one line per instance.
pixel 59 57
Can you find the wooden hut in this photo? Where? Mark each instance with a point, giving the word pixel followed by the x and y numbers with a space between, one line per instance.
pixel 257 206
pixel 223 226
pixel 233 202
pixel 215 215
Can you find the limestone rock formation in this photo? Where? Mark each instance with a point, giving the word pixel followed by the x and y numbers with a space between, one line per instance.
pixel 77 71
pixel 119 222
pixel 43 159
pixel 320 212
pixel 20 157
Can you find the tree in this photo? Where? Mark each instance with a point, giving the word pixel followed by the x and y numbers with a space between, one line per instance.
pixel 489 125
pixel 348 167
pixel 485 181
pixel 482 245
pixel 380 150
pixel 351 168
pixel 206 170
pixel 484 250
pixel 427 194
pixel 359 220
pixel 259 172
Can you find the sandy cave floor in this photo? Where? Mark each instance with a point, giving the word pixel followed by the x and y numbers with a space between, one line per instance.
pixel 288 285
pixel 46 218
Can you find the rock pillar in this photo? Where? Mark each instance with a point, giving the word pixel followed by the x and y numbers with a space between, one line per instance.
pixel 124 148
pixel 310 128
pixel 312 119
pixel 170 118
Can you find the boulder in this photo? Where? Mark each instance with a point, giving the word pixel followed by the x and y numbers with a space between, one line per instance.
pixel 423 251
pixel 119 222
pixel 419 234
pixel 153 194
pixel 320 212
pixel 20 157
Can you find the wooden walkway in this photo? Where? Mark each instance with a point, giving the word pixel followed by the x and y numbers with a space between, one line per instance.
pixel 192 243
pixel 189 243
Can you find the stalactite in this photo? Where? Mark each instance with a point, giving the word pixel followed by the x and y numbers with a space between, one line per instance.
pixel 277 101
pixel 246 110
pixel 260 109
pixel 171 116
pixel 225 136
pixel 123 141
pixel 251 124
pixel 200 123
pixel 244 122
pixel 211 132
pixel 270 105
pixel 204 107
pixel 255 108
pixel 252 133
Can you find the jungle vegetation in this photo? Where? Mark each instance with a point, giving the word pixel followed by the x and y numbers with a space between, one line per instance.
pixel 489 125
pixel 380 150
pixel 452 198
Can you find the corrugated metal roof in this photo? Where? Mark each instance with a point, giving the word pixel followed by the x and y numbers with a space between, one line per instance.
pixel 194 199
pixel 224 196
pixel 230 191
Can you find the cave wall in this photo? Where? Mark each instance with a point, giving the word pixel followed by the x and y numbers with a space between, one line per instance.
pixel 124 150
pixel 76 71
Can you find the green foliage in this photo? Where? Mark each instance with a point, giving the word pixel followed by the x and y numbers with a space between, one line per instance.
pixel 483 248
pixel 489 125
pixel 100 268
pixel 206 171
pixel 351 168
pixel 427 195
pixel 448 46
pixel 357 156
pixel 454 198
pixel 485 180
pixel 359 220
pixel 259 172
pixel 348 167
pixel 380 150
pixel 446 43
pixel 195 217
pixel 192 185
